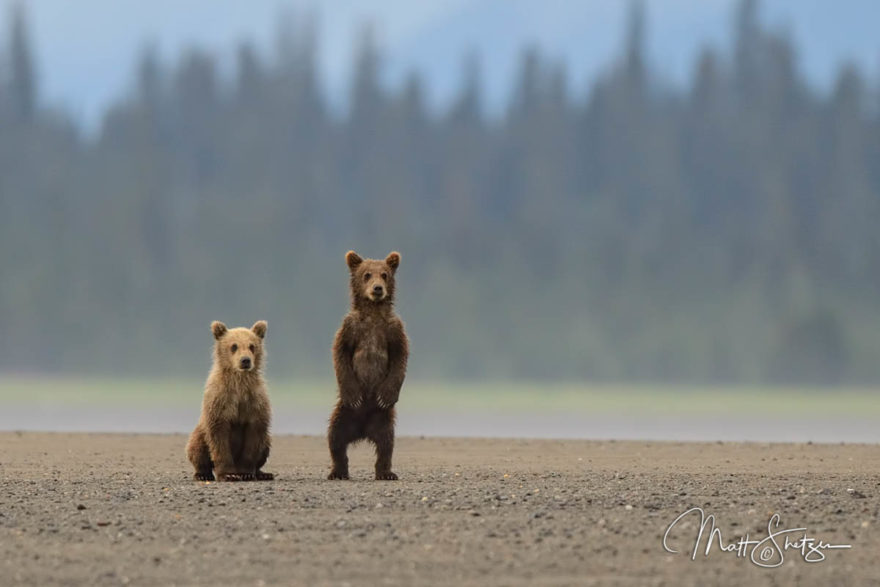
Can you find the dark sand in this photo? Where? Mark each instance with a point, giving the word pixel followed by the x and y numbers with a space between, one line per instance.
pixel 83 509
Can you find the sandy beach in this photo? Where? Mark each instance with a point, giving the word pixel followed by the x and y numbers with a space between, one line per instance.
pixel 109 509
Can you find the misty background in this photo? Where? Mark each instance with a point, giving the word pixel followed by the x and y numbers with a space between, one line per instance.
pixel 666 191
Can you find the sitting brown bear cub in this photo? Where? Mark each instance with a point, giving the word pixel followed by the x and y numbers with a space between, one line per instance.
pixel 369 354
pixel 232 436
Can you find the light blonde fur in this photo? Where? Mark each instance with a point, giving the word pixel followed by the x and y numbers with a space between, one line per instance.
pixel 232 437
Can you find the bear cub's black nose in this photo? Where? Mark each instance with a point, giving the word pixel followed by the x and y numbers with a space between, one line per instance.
pixel 377 289
pixel 245 362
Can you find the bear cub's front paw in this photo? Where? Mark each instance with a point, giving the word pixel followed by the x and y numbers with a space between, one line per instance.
pixel 235 477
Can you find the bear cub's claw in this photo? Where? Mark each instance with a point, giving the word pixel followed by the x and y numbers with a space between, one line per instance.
pixel 236 477
pixel 262 476
pixel 204 476
pixel 386 476
pixel 337 475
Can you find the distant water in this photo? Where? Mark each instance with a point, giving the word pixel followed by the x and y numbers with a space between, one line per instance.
pixel 710 427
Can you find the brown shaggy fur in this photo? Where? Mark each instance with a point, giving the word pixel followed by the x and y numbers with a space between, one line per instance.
pixel 369 354
pixel 232 436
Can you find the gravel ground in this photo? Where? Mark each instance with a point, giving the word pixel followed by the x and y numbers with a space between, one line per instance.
pixel 99 509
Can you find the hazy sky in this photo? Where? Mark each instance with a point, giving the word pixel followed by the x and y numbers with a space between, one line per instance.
pixel 86 49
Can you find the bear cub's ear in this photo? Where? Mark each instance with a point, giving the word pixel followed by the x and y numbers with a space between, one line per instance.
pixel 353 260
pixel 393 260
pixel 259 328
pixel 218 328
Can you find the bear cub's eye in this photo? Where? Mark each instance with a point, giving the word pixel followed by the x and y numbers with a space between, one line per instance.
pixel 384 276
pixel 367 276
pixel 233 348
pixel 252 347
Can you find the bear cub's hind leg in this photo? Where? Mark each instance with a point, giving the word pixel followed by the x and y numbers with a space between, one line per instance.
pixel 200 456
pixel 344 429
pixel 380 430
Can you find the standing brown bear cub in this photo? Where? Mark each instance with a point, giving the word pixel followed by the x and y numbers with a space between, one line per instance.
pixel 232 436
pixel 369 354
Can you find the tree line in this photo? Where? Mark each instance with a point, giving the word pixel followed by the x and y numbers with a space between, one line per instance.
pixel 721 232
